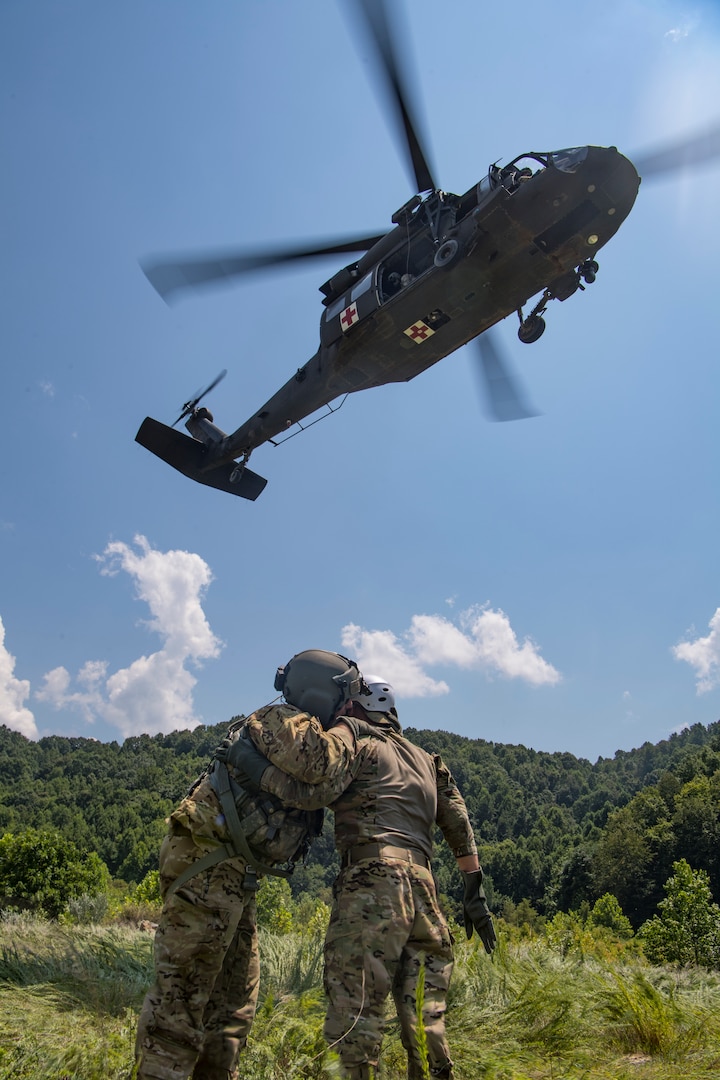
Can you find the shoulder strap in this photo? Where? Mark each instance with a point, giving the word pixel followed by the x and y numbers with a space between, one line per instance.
pixel 222 786
pixel 210 859
pixel 238 846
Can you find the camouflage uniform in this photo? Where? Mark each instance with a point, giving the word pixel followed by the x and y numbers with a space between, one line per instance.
pixel 386 924
pixel 197 1015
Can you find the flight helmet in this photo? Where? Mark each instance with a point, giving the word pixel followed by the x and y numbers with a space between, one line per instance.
pixel 380 696
pixel 319 682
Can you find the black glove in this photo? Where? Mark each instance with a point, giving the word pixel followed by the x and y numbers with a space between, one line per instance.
pixel 247 763
pixel 477 913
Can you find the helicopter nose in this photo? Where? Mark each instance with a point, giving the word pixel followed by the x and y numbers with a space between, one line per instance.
pixel 613 181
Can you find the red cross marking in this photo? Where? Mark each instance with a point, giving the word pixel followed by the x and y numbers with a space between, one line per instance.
pixel 349 316
pixel 418 332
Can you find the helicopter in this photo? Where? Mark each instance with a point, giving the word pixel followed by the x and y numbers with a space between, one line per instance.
pixel 450 268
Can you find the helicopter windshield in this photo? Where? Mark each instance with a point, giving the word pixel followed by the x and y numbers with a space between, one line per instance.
pixel 569 160
pixel 509 177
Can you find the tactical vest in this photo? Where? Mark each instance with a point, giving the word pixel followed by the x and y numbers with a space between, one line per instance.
pixel 266 832
pixel 262 831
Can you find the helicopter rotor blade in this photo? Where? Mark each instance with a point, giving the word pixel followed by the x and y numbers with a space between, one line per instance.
pixel 373 14
pixel 190 406
pixel 504 400
pixel 168 276
pixel 699 149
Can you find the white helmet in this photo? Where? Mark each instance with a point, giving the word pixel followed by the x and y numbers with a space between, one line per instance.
pixel 380 696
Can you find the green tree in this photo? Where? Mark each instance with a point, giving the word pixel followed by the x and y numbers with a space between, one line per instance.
pixel 568 933
pixel 687 928
pixel 696 823
pixel 607 912
pixel 274 905
pixel 524 916
pixel 42 870
pixel 148 891
pixel 633 855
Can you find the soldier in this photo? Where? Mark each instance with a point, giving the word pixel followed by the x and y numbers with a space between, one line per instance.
pixel 197 1015
pixel 386 927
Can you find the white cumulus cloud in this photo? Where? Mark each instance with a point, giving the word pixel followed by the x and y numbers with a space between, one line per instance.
pixel 703 655
pixel 13 694
pixel 482 638
pixel 381 653
pixel 153 694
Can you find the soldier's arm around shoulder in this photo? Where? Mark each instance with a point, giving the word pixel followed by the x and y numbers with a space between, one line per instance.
pixel 304 796
pixel 297 744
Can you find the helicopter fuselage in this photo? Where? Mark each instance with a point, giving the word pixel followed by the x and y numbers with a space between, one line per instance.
pixel 452 267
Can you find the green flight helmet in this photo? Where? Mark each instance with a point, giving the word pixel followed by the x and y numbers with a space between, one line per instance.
pixel 319 682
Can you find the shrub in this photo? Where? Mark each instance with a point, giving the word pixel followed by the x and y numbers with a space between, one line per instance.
pixel 87 909
pixel 42 871
pixel 274 905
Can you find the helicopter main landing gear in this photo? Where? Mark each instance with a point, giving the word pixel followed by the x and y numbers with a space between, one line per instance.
pixel 533 327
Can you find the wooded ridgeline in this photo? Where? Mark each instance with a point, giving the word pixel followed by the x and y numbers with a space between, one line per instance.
pixel 553 829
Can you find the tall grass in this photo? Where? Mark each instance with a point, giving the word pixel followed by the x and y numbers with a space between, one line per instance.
pixel 69 998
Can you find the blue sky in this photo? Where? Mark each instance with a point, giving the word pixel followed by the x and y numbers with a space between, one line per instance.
pixel 552 582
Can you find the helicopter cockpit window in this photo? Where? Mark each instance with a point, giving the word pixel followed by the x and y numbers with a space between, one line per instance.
pixel 569 160
pixel 509 177
pixel 486 185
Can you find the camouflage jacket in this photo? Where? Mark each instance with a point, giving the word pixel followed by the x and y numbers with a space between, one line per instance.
pixel 387 791
pixel 276 832
pixel 297 743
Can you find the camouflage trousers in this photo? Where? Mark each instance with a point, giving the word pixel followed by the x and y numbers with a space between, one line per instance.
pixel 386 932
pixel 197 1016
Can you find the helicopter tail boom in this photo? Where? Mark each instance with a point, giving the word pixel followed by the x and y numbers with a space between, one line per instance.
pixel 189 457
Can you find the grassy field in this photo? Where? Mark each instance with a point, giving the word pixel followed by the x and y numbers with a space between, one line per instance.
pixel 69 998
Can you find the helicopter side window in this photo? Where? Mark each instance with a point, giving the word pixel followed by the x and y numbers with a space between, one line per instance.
pixel 361 287
pixel 334 309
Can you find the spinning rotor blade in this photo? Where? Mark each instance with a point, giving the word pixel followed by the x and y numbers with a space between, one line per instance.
pixel 167 276
pixel 504 400
pixel 190 406
pixel 701 148
pixel 374 15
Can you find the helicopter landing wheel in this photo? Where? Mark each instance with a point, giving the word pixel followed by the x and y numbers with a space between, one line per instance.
pixel 532 329
pixel 588 271
pixel 447 254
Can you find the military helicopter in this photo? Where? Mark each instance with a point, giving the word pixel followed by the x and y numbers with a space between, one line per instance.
pixel 451 267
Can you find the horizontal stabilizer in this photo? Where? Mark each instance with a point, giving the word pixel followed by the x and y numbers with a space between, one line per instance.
pixel 189 457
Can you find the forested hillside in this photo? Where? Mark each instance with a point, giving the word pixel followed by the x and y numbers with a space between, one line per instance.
pixel 553 829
